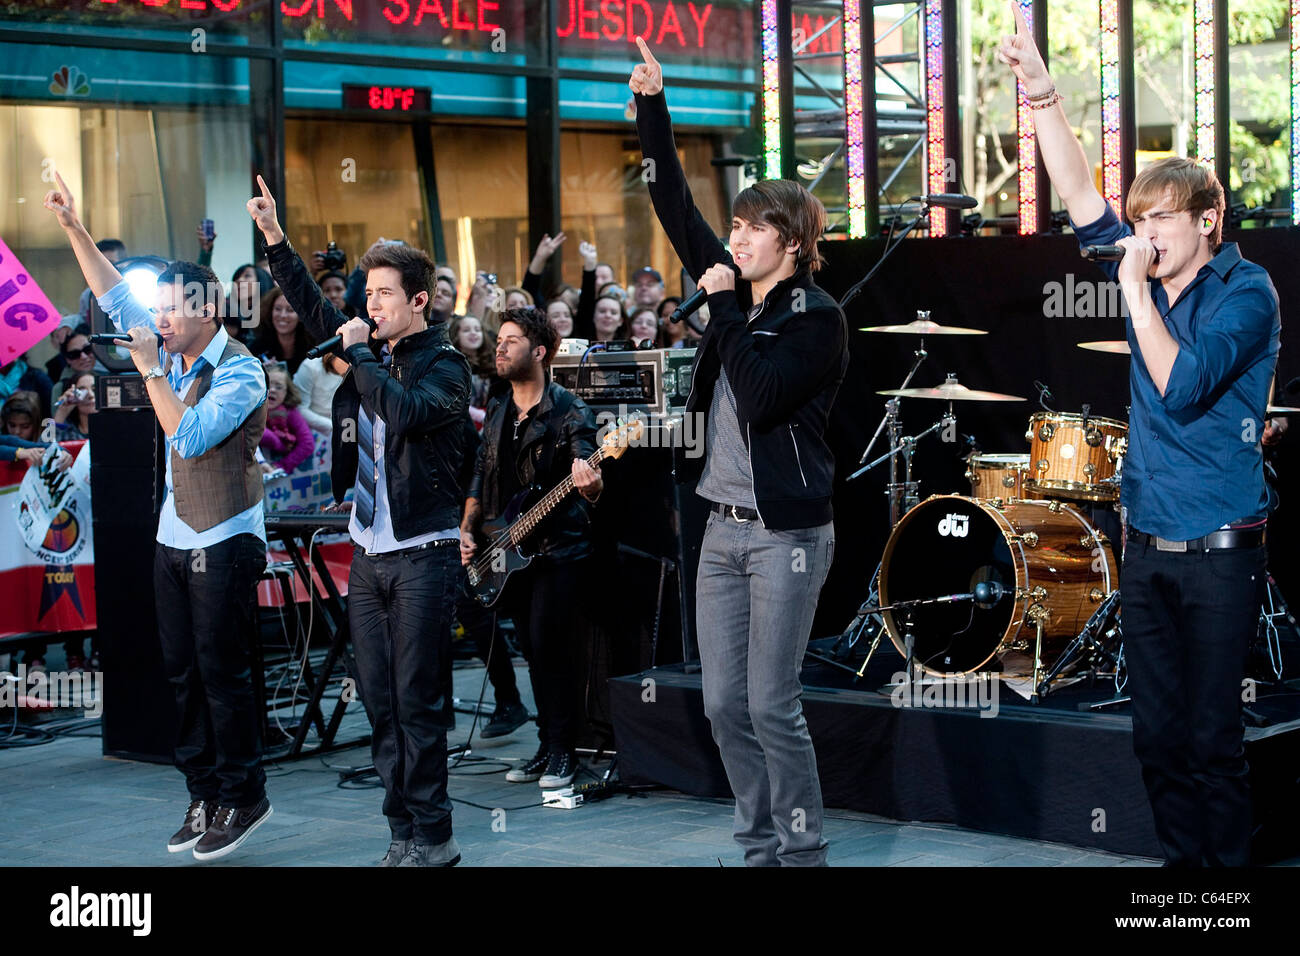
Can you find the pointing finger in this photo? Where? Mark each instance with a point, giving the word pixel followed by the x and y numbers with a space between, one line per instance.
pixel 645 52
pixel 1021 26
pixel 266 193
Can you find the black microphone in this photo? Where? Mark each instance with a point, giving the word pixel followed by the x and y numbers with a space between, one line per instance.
pixel 988 593
pixel 320 348
pixel 951 201
pixel 691 304
pixel 110 338
pixel 1102 253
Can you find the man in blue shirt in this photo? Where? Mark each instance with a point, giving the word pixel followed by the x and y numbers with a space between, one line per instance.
pixel 1203 328
pixel 209 395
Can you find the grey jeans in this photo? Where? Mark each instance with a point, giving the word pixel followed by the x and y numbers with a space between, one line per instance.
pixel 755 596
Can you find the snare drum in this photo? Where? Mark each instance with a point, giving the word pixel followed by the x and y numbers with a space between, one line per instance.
pixel 1074 457
pixel 997 475
pixel 1052 563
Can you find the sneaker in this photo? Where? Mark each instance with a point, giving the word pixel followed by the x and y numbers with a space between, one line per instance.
pixel 229 827
pixel 505 720
pixel 396 850
pixel 560 768
pixel 423 854
pixel 195 825
pixel 530 771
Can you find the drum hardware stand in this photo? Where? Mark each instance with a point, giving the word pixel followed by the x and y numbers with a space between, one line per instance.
pixel 1038 614
pixel 1088 644
pixel 904 495
pixel 1274 607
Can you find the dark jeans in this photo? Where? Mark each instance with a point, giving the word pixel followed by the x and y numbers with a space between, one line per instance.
pixel 543 602
pixel 1188 621
pixel 399 607
pixel 480 625
pixel 207 615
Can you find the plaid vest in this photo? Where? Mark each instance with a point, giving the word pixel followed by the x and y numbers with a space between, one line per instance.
pixel 226 479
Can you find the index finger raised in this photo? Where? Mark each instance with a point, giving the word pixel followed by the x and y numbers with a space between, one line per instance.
pixel 63 187
pixel 266 193
pixel 1021 26
pixel 645 52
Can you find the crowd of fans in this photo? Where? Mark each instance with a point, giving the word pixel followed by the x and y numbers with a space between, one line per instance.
pixel 53 401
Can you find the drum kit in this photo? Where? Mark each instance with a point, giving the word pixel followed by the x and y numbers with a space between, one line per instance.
pixel 1018 565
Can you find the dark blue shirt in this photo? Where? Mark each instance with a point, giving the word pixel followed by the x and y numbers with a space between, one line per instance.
pixel 1194 461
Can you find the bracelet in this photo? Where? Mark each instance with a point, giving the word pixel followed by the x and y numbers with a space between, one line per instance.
pixel 1037 97
pixel 1047 104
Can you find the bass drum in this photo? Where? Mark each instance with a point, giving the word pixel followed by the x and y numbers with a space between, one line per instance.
pixel 1051 562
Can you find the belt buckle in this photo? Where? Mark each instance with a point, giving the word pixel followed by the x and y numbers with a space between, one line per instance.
pixel 1163 544
pixel 738 517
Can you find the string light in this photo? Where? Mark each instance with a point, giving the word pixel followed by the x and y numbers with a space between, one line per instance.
pixel 853 132
pixel 935 159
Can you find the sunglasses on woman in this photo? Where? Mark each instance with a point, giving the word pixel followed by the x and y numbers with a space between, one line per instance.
pixel 85 350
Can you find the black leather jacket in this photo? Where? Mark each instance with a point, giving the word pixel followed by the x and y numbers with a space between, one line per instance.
pixel 422 398
pixel 562 429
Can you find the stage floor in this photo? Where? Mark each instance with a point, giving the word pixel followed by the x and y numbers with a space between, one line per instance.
pixel 67 805
pixel 1056 771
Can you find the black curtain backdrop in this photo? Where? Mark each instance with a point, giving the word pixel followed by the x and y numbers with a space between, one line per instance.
pixel 996 284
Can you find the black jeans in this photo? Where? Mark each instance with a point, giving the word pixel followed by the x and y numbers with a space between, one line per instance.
pixel 206 601
pixel 480 625
pixel 543 601
pixel 1188 621
pixel 400 607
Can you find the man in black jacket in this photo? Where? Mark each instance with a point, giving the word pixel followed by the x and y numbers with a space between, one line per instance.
pixel 399 416
pixel 766 372
pixel 533 439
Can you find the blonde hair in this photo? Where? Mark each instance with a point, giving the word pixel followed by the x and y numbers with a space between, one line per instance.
pixel 1192 188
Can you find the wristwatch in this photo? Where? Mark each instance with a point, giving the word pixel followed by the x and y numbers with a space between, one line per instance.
pixel 153 373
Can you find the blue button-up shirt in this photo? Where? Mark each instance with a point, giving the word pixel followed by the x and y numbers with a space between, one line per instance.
pixel 238 387
pixel 1194 461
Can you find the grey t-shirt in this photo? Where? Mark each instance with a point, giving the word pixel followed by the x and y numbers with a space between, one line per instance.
pixel 727 478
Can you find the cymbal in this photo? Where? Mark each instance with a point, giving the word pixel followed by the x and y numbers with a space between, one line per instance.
pixel 923 327
pixel 1274 410
pixel 1114 348
pixel 952 391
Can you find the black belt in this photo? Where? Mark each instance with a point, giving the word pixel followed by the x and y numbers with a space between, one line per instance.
pixel 736 511
pixel 1214 541
pixel 439 543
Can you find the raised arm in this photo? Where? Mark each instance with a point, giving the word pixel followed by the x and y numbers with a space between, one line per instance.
pixel 694 241
pixel 101 275
pixel 1067 166
pixel 320 316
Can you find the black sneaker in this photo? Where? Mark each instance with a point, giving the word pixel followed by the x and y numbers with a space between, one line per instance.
pixel 396 851
pixel 505 720
pixel 530 771
pixel 229 827
pixel 560 768
pixel 195 825
pixel 423 854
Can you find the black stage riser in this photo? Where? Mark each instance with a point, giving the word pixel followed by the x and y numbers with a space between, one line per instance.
pixel 1040 775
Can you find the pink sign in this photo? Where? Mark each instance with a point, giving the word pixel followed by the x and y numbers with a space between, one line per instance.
pixel 25 313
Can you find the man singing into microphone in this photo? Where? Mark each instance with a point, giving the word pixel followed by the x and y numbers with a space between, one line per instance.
pixel 1203 328
pixel 766 372
pixel 209 395
pixel 404 409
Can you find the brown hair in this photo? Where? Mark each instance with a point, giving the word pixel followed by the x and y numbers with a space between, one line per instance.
pixel 795 213
pixel 414 265
pixel 22 403
pixel 1192 187
pixel 482 360
pixel 292 399
pixel 532 322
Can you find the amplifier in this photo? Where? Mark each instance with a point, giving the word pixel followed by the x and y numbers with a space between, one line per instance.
pixel 649 381
pixel 121 390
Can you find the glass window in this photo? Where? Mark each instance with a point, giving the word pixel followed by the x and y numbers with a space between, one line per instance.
pixel 142 147
pixel 351 182
pixel 1260 136
pixel 197 21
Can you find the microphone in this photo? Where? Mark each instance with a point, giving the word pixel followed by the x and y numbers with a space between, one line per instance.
pixel 988 593
pixel 691 304
pixel 951 201
pixel 320 348
pixel 110 338
pixel 1102 253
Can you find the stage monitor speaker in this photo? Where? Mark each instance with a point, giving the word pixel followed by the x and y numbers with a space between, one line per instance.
pixel 126 485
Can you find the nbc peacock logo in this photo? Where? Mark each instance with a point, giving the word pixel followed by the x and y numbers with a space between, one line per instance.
pixel 69 81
